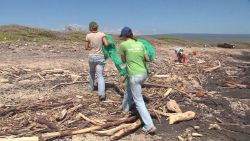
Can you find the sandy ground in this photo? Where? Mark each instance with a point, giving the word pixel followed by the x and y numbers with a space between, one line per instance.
pixel 19 84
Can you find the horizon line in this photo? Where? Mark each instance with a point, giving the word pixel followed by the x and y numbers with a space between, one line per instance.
pixel 153 34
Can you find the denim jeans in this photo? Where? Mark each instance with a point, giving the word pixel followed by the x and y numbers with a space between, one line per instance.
pixel 133 95
pixel 96 67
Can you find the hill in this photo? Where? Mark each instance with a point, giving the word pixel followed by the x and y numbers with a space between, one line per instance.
pixel 25 33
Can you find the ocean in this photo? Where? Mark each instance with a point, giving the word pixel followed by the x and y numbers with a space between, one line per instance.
pixel 211 37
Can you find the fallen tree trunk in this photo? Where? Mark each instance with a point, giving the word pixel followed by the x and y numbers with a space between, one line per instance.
pixel 181 117
pixel 126 130
pixel 89 120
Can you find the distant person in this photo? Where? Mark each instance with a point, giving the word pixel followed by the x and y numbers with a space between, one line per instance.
pixel 134 55
pixel 95 39
pixel 181 58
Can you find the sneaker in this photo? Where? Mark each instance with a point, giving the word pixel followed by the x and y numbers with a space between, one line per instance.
pixel 151 130
pixel 102 98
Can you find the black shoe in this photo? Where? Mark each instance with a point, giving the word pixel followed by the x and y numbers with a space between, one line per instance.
pixel 102 98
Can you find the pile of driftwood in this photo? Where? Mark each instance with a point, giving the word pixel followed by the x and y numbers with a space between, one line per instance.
pixel 45 127
pixel 74 114
pixel 66 116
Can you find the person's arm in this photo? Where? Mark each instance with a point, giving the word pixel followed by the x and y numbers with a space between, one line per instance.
pixel 87 45
pixel 123 55
pixel 123 58
pixel 105 41
pixel 146 58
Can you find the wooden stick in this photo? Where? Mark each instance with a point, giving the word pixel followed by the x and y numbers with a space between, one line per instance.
pixel 168 92
pixel 91 121
pixel 32 108
pixel 43 120
pixel 112 131
pixel 232 84
pixel 68 113
pixel 55 71
pixel 71 132
pixel 164 86
pixel 87 130
pixel 213 68
pixel 163 114
pixel 126 130
pixel 21 139
pixel 161 76
pixel 71 83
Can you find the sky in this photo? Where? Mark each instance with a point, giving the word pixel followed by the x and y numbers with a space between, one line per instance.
pixel 143 16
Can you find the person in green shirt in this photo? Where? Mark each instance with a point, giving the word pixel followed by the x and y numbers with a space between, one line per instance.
pixel 134 55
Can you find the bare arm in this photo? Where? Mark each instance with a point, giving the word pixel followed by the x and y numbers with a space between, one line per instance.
pixel 87 45
pixel 105 42
pixel 146 58
pixel 123 58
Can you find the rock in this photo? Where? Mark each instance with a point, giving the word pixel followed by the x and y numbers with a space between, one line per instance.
pixel 199 93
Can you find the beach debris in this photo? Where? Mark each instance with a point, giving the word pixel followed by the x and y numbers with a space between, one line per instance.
pixel 214 126
pixel 196 135
pixel 181 117
pixel 168 92
pixel 207 70
pixel 199 93
pixel 173 106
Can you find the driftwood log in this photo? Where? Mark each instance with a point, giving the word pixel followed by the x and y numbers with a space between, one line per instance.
pixel 213 68
pixel 126 130
pixel 71 132
pixel 181 117
pixel 95 122
pixel 110 132
pixel 173 106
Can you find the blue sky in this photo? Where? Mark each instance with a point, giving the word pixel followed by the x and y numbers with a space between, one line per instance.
pixel 143 16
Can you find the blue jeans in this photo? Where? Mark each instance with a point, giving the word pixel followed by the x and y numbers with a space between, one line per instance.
pixel 96 67
pixel 133 95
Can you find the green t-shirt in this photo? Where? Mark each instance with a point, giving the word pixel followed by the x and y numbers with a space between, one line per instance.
pixel 134 53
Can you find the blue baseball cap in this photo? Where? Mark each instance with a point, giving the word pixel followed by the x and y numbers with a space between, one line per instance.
pixel 126 31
